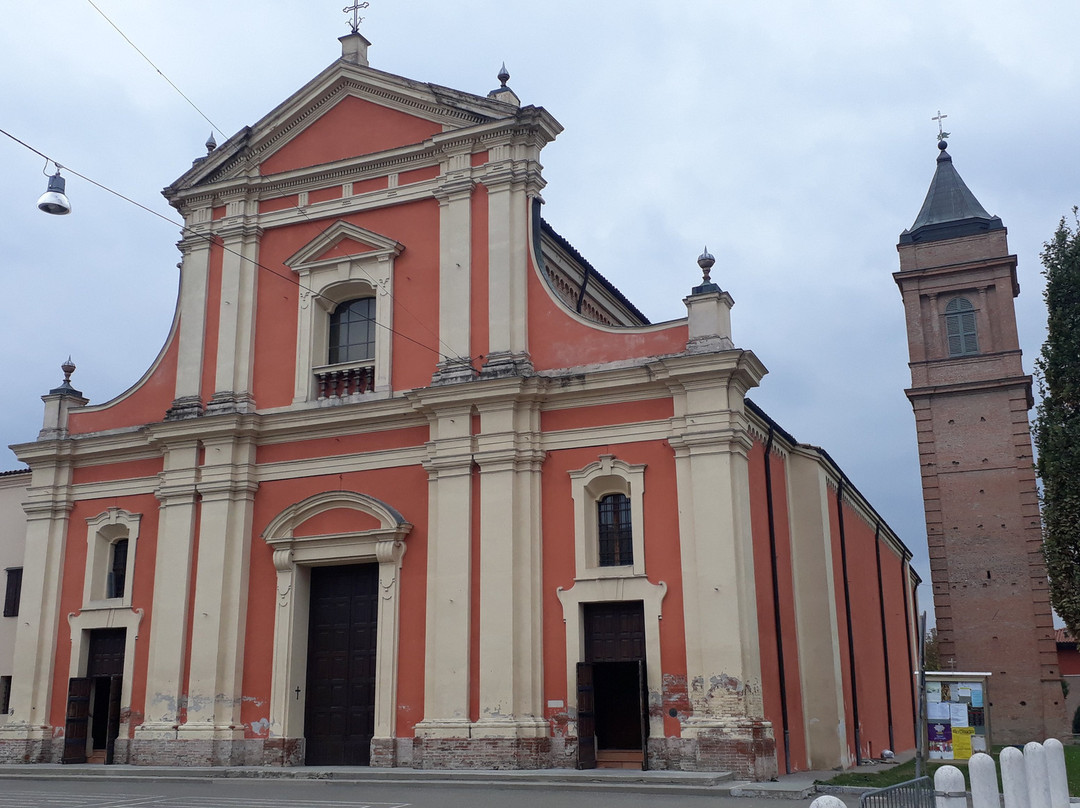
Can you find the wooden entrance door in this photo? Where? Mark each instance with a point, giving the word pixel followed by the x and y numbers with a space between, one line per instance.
pixel 614 632
pixel 77 722
pixel 106 652
pixel 586 717
pixel 93 709
pixel 339 720
pixel 615 655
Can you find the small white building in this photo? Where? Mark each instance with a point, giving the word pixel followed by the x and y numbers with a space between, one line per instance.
pixel 12 543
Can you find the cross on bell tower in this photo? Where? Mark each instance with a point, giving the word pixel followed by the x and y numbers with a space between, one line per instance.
pixel 941 133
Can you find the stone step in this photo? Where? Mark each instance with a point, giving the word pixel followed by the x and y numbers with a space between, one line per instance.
pixel 618 759
pixel 524 777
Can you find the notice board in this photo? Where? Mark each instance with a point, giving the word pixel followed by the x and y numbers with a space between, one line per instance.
pixel 957 718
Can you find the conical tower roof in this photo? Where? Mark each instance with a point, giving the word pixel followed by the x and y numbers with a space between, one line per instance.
pixel 950 210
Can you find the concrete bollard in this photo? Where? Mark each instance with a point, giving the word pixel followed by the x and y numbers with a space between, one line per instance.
pixel 1038 782
pixel 949 788
pixel 1014 778
pixel 828 801
pixel 1055 770
pixel 984 784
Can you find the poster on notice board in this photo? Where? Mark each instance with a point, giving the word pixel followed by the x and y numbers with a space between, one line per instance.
pixel 955 715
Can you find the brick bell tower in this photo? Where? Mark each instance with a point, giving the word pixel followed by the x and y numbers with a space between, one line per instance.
pixel 971 399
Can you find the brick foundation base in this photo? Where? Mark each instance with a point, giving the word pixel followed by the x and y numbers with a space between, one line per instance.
pixel 386 752
pixel 23 751
pixel 673 754
pixel 748 751
pixel 481 753
pixel 197 752
pixel 283 752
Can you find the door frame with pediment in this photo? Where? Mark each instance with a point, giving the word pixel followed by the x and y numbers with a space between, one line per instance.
pixel 293 558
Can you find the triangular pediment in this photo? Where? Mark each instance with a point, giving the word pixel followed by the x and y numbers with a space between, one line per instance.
pixel 349 110
pixel 351 126
pixel 340 241
pixel 345 247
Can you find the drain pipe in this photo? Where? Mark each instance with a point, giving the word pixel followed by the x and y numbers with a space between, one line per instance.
pixel 905 578
pixel 776 602
pixel 884 632
pixel 847 612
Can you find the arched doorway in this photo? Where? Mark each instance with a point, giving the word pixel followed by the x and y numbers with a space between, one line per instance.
pixel 334 680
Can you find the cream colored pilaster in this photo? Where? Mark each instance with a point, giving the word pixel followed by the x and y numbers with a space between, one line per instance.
pixel 816 619
pixel 509 186
pixel 511 662
pixel 449 595
pixel 47 506
pixel 455 268
pixel 718 577
pixel 177 494
pixel 711 444
pixel 519 271
pixel 500 198
pixel 236 320
pixel 227 487
pixel 194 277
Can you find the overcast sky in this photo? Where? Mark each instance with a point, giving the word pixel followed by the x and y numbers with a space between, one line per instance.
pixel 794 138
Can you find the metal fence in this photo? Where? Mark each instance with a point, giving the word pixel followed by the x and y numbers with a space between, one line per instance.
pixel 918 793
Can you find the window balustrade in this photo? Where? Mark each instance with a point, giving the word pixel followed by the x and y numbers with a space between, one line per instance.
pixel 338 383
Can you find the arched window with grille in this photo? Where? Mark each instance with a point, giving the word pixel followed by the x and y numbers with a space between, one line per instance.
pixel 960 327
pixel 614 533
pixel 352 331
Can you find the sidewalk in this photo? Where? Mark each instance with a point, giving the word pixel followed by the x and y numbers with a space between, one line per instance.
pixel 799 786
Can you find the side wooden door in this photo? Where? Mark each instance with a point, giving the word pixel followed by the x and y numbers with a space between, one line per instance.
pixel 78 720
pixel 643 712
pixel 116 685
pixel 586 716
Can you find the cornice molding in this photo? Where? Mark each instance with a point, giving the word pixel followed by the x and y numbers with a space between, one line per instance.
pixel 324 466
pixel 965 388
pixel 531 126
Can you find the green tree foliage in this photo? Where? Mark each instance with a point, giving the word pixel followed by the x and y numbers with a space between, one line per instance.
pixel 932 650
pixel 1057 424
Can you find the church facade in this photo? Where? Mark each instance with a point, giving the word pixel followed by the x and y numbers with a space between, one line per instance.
pixel 411 484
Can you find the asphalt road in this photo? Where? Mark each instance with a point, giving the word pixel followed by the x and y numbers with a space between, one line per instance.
pixel 247 793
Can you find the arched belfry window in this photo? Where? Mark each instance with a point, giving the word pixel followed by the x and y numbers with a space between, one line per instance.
pixel 352 331
pixel 960 327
